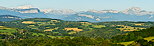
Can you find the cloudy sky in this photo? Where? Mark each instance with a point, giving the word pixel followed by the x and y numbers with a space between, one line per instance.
pixel 81 5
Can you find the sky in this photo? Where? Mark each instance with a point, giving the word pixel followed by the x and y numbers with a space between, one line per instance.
pixel 82 5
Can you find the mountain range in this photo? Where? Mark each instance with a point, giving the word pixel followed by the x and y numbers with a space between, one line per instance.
pixel 130 14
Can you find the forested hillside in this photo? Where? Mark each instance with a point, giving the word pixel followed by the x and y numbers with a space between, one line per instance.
pixel 144 38
pixel 46 31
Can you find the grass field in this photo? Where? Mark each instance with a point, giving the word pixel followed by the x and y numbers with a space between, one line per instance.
pixel 149 38
pixel 7 30
pixel 129 28
pixel 126 43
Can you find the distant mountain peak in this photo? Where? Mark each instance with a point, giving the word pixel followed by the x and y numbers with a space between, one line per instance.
pixel 3 7
pixel 46 10
pixel 130 14
pixel 104 11
pixel 63 11
pixel 136 11
pixel 135 8
pixel 24 7
pixel 27 9
pixel 132 9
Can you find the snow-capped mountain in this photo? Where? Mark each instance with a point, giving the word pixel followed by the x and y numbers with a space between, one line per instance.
pixel 62 12
pixel 26 9
pixel 130 14
pixel 137 11
pixel 104 11
pixel 29 12
pixel 3 7
pixel 46 10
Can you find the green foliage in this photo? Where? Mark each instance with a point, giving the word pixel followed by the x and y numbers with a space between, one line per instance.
pixel 142 37
pixel 47 32
pixel 66 41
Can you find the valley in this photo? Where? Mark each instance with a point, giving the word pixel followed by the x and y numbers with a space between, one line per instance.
pixel 47 28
